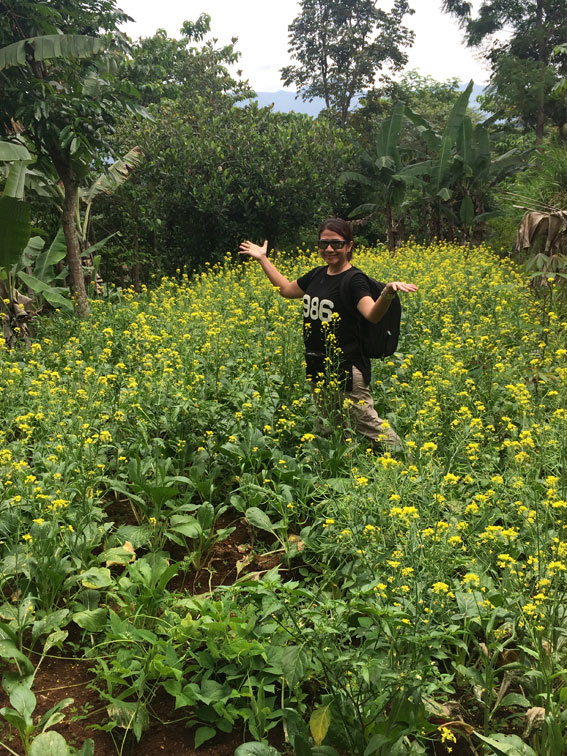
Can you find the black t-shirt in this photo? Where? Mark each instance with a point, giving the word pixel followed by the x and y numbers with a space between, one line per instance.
pixel 330 327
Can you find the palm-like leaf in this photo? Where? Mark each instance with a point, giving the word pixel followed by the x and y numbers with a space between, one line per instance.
pixel 50 46
pixel 115 176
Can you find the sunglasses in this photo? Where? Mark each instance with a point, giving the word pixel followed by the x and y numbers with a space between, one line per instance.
pixel 336 244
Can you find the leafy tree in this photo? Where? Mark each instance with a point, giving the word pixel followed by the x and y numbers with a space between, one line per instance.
pixel 178 69
pixel 209 180
pixel 524 69
pixel 62 95
pixel 340 45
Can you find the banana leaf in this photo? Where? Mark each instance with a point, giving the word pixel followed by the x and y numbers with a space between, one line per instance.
pixel 450 133
pixel 15 229
pixel 11 151
pixel 16 180
pixel 50 46
pixel 115 176
pixel 49 293
pixel 42 268
pixel 389 133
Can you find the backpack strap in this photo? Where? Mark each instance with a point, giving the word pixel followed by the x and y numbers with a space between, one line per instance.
pixel 344 290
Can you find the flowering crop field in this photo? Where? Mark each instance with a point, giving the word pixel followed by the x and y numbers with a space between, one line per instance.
pixel 375 603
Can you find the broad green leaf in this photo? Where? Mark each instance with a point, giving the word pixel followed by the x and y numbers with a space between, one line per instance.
pixel 186 525
pixel 49 744
pixel 515 699
pixel 293 665
pixel 92 620
pixel 259 519
pixel 96 577
pixel 255 749
pixel 116 175
pixel 49 293
pixel 319 723
pixel 507 745
pixel 13 151
pixel 202 734
pixel 50 46
pixel 9 651
pixel 16 180
pixel 206 516
pixel 56 638
pixel 15 230
pixel 449 138
pixel 50 257
pixel 23 701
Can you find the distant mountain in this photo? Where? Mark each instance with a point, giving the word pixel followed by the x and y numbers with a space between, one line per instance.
pixel 285 101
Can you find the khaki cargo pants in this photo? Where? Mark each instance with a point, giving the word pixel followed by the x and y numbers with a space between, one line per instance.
pixel 362 416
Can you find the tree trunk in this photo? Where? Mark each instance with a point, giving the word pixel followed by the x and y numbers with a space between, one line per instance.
pixel 64 168
pixel 543 62
pixel 390 223
pixel 76 275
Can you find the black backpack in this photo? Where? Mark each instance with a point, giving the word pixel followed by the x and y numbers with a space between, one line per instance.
pixel 376 339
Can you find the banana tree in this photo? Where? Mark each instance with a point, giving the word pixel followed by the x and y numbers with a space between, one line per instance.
pixel 62 92
pixel 462 171
pixel 386 177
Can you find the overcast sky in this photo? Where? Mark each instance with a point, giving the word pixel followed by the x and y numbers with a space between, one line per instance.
pixel 262 30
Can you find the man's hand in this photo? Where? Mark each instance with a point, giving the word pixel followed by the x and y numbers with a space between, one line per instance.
pixel 255 251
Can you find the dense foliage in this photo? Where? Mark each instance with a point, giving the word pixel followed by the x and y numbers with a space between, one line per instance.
pixel 418 598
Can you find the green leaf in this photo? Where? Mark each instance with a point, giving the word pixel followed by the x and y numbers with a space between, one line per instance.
pixel 507 745
pixel 319 723
pixel 49 744
pixel 515 699
pixel 56 638
pixel 293 665
pixel 54 254
pixel 202 734
pixel 450 133
pixel 206 516
pixel 129 716
pixel 16 180
pixel 49 293
pixel 186 525
pixel 96 577
pixel 10 151
pixel 15 229
pixel 255 749
pixel 259 519
pixel 23 701
pixel 9 651
pixel 50 46
pixel 92 620
pixel 466 212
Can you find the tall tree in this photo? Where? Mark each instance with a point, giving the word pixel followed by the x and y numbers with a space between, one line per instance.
pixel 518 39
pixel 340 45
pixel 161 67
pixel 62 95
